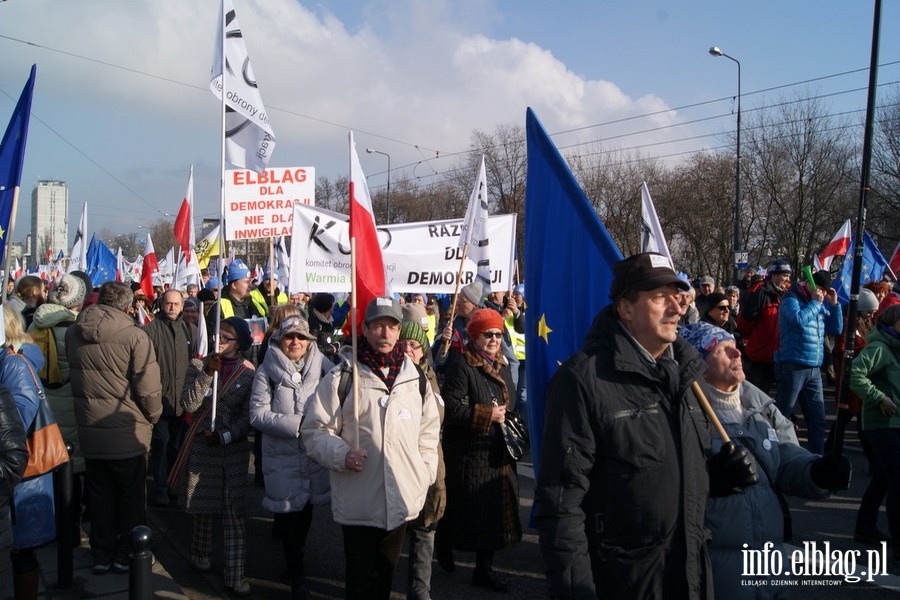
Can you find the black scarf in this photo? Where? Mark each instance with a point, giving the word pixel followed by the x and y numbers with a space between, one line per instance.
pixel 376 361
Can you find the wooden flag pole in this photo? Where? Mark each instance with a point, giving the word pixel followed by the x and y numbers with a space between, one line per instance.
pixel 353 342
pixel 710 413
pixel 462 261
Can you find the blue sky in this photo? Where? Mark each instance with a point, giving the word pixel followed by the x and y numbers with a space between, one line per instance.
pixel 122 106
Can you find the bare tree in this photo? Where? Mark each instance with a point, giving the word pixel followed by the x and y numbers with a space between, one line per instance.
pixel 800 179
pixel 883 200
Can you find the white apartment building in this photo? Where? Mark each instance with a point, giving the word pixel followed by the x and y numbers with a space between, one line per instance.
pixel 49 219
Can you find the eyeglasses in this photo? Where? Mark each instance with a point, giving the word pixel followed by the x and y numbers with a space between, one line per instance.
pixel 293 336
pixel 492 334
pixel 226 340
pixel 723 308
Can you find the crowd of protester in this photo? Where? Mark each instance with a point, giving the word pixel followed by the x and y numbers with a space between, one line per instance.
pixel 410 447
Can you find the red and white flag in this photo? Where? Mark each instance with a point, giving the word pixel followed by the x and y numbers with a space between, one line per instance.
pixel 370 281
pixel 188 269
pixel 838 246
pixel 142 316
pixel 120 265
pixel 149 269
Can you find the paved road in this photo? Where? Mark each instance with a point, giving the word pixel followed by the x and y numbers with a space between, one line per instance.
pixel 829 521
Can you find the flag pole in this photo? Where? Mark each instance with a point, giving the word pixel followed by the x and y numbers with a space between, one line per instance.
pixel 271 272
pixel 9 237
pixel 353 341
pixel 219 262
pixel 462 262
pixel 850 333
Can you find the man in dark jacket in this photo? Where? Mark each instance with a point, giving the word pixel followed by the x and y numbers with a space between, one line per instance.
pixel 116 390
pixel 622 482
pixel 174 342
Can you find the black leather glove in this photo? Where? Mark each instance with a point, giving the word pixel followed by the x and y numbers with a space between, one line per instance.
pixel 731 470
pixel 831 472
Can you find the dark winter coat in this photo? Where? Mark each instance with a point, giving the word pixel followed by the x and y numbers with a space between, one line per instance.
pixel 623 482
pixel 212 469
pixel 174 343
pixel 482 487
pixel 13 460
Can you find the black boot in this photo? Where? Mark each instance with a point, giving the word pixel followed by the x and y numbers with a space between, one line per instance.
pixel 25 585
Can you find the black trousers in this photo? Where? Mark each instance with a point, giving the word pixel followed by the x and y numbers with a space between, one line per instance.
pixel 294 528
pixel 118 504
pixel 371 554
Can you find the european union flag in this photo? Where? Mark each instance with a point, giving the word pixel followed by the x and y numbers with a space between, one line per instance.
pixel 568 269
pixel 101 263
pixel 873 265
pixel 12 157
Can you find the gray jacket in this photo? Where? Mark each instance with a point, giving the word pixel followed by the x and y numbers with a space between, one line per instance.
pixel 754 516
pixel 277 406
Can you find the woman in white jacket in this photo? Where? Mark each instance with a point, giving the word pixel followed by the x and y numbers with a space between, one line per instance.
pixel 294 483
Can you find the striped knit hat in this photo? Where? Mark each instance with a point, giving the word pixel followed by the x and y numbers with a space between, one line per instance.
pixel 410 330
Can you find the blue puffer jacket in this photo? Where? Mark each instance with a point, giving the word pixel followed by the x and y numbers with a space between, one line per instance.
pixel 753 517
pixel 802 325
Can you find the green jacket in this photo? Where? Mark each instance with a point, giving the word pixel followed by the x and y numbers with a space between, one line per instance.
pixel 874 375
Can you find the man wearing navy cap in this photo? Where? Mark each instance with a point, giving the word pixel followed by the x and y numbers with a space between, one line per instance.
pixel 623 479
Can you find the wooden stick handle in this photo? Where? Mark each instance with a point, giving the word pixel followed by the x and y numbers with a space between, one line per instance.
pixel 710 413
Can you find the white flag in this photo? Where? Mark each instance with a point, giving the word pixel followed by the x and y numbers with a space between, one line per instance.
pixel 249 138
pixel 652 238
pixel 474 229
pixel 282 264
pixel 78 255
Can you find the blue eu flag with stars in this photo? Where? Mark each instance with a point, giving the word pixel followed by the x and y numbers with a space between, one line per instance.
pixel 873 266
pixel 568 269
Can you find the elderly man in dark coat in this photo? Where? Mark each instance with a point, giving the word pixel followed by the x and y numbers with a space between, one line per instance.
pixel 623 479
pixel 174 341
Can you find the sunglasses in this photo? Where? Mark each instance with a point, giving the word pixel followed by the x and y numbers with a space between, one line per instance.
pixel 293 336
pixel 723 308
pixel 492 334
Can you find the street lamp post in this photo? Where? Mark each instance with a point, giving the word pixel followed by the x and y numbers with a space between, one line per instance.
pixel 738 251
pixel 388 194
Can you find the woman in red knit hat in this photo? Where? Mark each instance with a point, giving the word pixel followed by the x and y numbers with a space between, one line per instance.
pixel 482 513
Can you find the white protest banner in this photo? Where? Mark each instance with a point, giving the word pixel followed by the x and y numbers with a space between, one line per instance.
pixel 261 205
pixel 418 257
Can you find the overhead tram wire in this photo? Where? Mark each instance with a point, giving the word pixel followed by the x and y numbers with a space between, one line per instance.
pixel 446 155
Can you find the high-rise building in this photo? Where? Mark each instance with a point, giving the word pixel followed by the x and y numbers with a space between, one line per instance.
pixel 49 219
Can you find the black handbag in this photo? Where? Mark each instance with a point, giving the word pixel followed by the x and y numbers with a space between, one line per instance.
pixel 515 434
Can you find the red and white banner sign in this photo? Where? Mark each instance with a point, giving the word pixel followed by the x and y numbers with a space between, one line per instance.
pixel 261 205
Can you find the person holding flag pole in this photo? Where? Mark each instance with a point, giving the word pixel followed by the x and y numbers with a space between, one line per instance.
pixel 382 450
pixel 473 241
pixel 247 141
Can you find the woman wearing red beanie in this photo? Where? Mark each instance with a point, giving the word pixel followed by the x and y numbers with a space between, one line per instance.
pixel 482 513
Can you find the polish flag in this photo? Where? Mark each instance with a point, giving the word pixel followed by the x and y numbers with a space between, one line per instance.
pixel 838 246
pixel 370 282
pixel 184 229
pixel 120 265
pixel 149 269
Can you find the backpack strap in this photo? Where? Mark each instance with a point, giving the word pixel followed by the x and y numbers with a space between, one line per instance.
pixel 346 381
